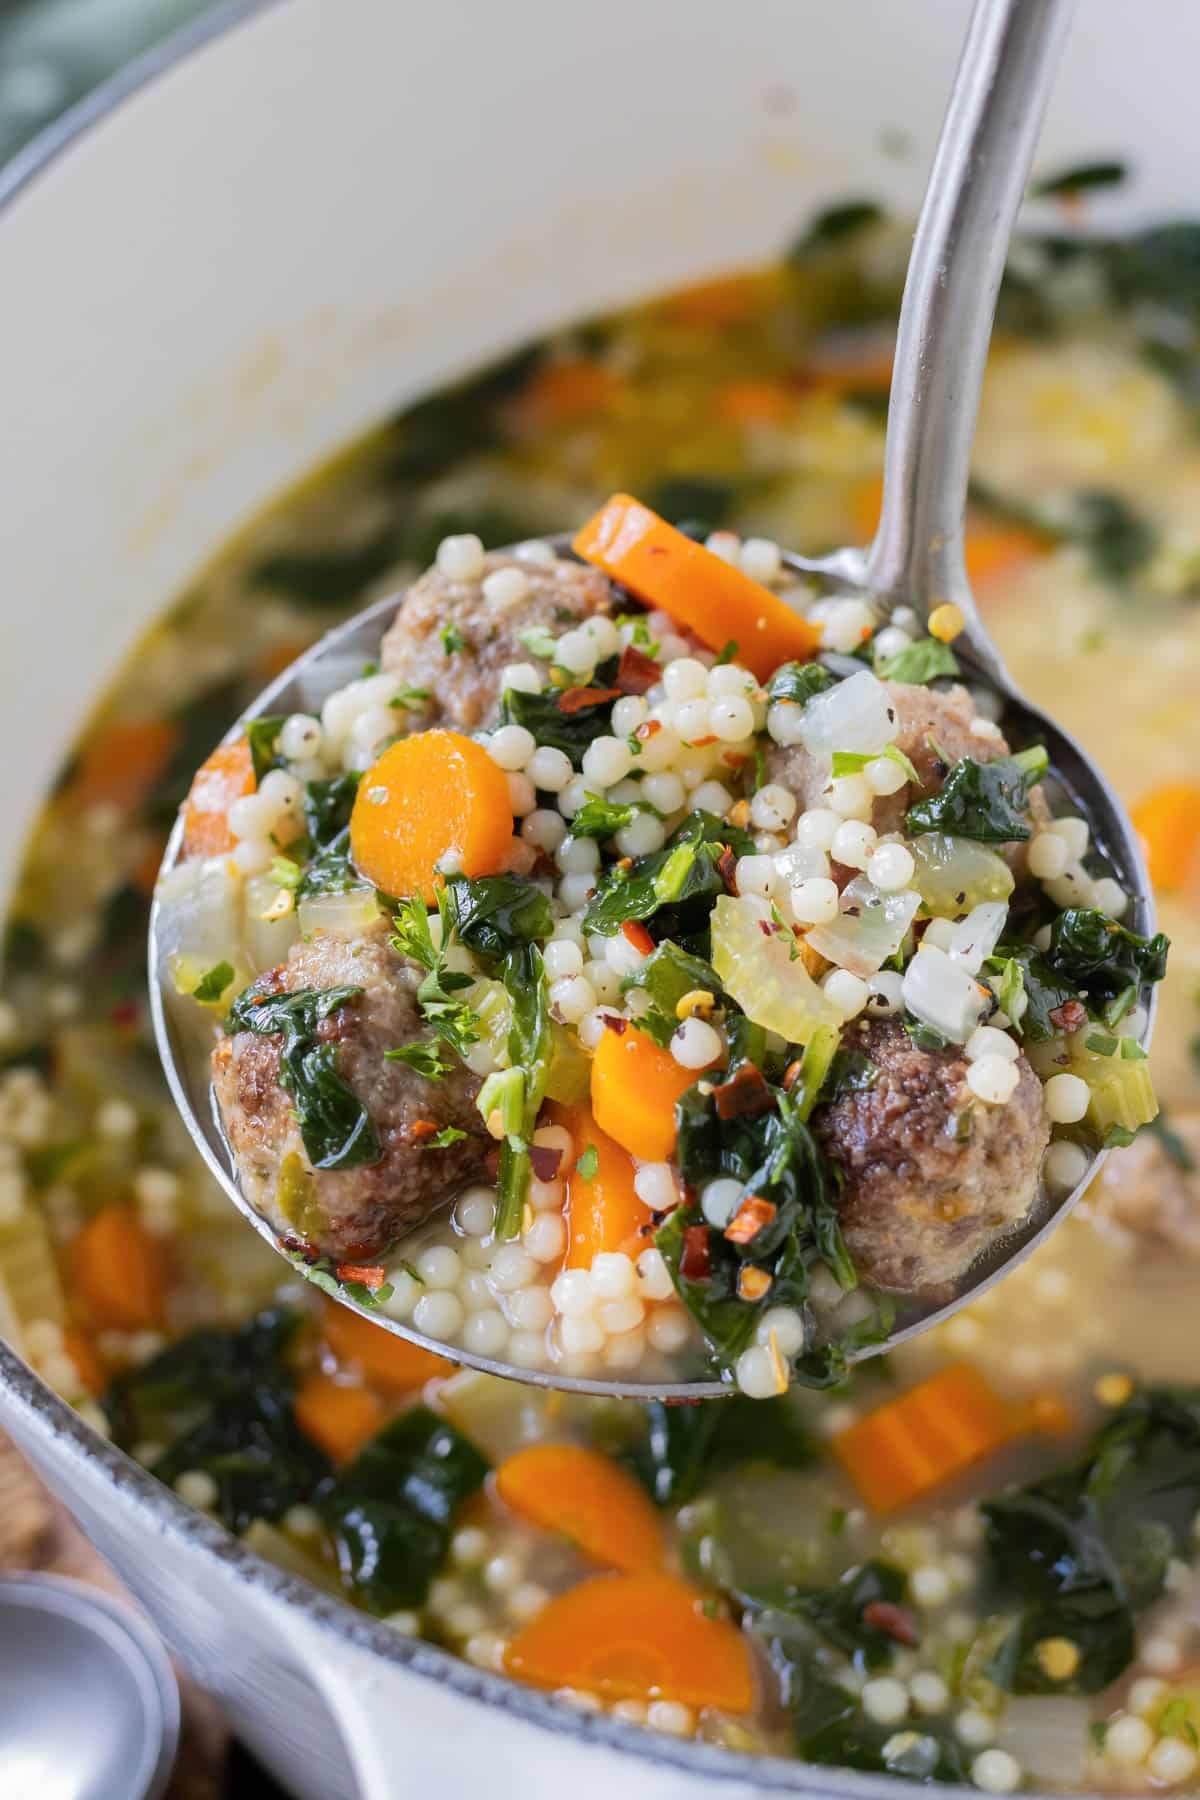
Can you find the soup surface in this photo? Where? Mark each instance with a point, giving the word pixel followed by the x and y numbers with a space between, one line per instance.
pixel 974 1562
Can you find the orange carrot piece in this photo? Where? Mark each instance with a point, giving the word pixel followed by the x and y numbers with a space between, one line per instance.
pixel 1168 822
pixel 585 1496
pixel 227 775
pixel 602 1210
pixel 561 393
pixel 388 1362
pixel 89 1364
pixel 865 507
pixel 634 1089
pixel 635 1637
pixel 993 554
pixel 723 300
pixel 337 1418
pixel 119 1271
pixel 755 402
pixel 428 796
pixel 666 569
pixel 119 764
pixel 908 1447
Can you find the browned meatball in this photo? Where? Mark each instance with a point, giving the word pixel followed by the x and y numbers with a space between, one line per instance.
pixel 932 1175
pixel 465 683
pixel 1144 1192
pixel 352 1214
pixel 927 718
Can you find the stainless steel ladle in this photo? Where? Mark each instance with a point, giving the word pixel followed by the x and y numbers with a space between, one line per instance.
pixel 975 187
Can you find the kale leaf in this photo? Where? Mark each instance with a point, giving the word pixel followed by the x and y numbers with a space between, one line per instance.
pixel 496 912
pixel 1018 970
pixel 262 735
pixel 798 682
pixel 327 808
pixel 1083 1551
pixel 570 732
pixel 391 1513
pixel 829 1726
pixel 835 225
pixel 686 1445
pixel 334 1125
pixel 665 976
pixel 213 982
pixel 599 818
pixel 920 663
pixel 985 801
pixel 1104 960
pixel 685 870
pixel 840 1613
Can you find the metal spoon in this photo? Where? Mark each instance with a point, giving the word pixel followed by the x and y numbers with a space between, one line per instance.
pixel 89 1708
pixel 975 187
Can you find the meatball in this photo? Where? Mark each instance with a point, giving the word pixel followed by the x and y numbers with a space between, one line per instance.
pixel 932 1176
pixel 355 1214
pixel 464 684
pixel 1145 1193
pixel 927 718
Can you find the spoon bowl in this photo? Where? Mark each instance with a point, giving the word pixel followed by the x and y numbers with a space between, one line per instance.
pixel 976 183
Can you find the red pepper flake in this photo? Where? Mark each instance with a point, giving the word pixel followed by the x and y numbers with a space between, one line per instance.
pixel 125 1012
pixel 702 743
pixel 1069 1016
pixel 300 1247
pixel 695 1263
pixel 767 928
pixel 647 729
pixel 420 1129
pixel 745 1095
pixel 734 759
pixel 792 1074
pixel 614 1022
pixel 727 870
pixel 544 1160
pixel 371 1275
pixel 637 935
pixel 636 671
pixel 750 1218
pixel 894 1621
pixel 578 699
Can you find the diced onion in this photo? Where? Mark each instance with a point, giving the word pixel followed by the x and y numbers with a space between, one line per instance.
pixel 870 928
pixel 857 715
pixel 799 863
pixel 941 994
pixel 772 986
pixel 347 914
pixel 200 922
pixel 954 874
pixel 977 936
pixel 1049 1735
pixel 267 940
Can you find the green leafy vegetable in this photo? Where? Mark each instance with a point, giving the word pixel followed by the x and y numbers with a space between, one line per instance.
pixel 449 1018
pixel 1083 1551
pixel 985 801
pixel 423 1057
pixel 213 983
pixel 683 871
pixel 262 735
pixel 920 663
pixel 443 1139
pixel 496 912
pixel 588 1162
pixel 328 577
pixel 600 818
pixel 835 225
pixel 529 1047
pixel 1029 989
pixel 1081 178
pixel 853 762
pixel 798 682
pixel 334 1125
pixel 1101 958
pixel 705 500
pixel 1173 1145
pixel 842 1613
pixel 391 1513
pixel 452 639
pixel 327 808
pixel 331 870
pixel 829 1726
pixel 666 975
pixel 686 1445
pixel 570 732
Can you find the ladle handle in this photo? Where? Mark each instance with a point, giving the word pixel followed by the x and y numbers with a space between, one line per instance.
pixel 975 187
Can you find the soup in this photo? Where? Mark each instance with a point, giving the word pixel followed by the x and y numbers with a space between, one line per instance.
pixel 892 1573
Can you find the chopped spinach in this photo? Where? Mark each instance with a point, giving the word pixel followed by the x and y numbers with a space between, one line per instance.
pixel 798 682
pixel 1080 178
pixel 391 1513
pixel 985 801
pixel 448 1017
pixel 684 871
pixel 334 1125
pixel 423 1057
pixel 213 983
pixel 328 805
pixel 920 663
pixel 836 225
pixel 666 975
pixel 600 818
pixel 262 735
pixel 331 870
pixel 700 498
pixel 570 732
pixel 1101 958
pixel 841 1613
pixel 1173 1145
pixel 1028 988
pixel 1083 1551
pixel 686 1445
pixel 829 1726
pixel 496 912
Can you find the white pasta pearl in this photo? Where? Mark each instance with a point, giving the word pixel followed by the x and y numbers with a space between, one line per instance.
pixel 572 997
pixel 846 991
pixel 986 1040
pixel 1048 855
pixel 546 1196
pixel 725 544
pixel 929 1692
pixel 592 1027
pixel 1172 1761
pixel 691 719
pixel 889 642
pixel 625 1351
pixel 607 760
pixel 659 750
pixel 853 844
pixel 732 719
pixel 711 797
pixel 580 1332
pixel 815 902
pixel 996 1772
pixel 439 1315
pixel 531 1309
pixel 251 816
pixel 578 855
pixel 474 1211
pixel 512 1268
pixel 785 1325
pixel 546 1238
pixel 760 559
pixel 505 588
pixel 576 652
pixel 664 792
pixel 606 983
pixel 883 775
pixel 845 624
pixel 1128 1740
pixel 460 558
pixel 606 638
pixel 544 829
pixel 522 795
pixel 668 1329
pixel 1067 1099
pixel 522 678
pixel 643 835
pixel 438 1266
pixel 301 737
pixel 535 553
pixel 253 856
pixel 727 678
pixel 485 1333
pixel 621 956
pixel 886 995
pixel 696 1044
pixel 757 1374
pixel 720 1200
pixel 993 1079
pixel 549 769
pixel 573 796
pixel 575 890
pixel 1110 897
pixel 850 797
pixel 613 1277
pixel 654 1184
pixel 815 828
pixel 562 956
pixel 511 746
pixel 890 867
pixel 773 807
pixel 685 679
pixel 756 875
pixel 1074 833
pixel 1064 1166
pixel 573 1294
pixel 281 790
pixel 785 722
pixel 627 714
pixel 654 1277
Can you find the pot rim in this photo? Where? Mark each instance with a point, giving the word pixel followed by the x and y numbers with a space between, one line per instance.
pixel 72 1440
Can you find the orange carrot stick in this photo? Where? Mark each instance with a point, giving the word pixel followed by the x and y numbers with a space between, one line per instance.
pixel 120 763
pixel 339 1419
pixel 388 1362
pixel 1168 822
pixel 583 1495
pixel 635 1637
pixel 119 1271
pixel 431 796
pixel 908 1447
pixel 720 604
pixel 227 775
pixel 635 1085
pixel 602 1209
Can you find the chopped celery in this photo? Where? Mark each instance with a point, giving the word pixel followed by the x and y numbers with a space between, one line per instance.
pixel 773 988
pixel 1122 1087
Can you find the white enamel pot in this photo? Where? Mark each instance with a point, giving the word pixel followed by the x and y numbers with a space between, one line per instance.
pixel 298 216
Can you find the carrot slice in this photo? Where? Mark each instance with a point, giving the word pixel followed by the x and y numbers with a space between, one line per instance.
pixel 912 1445
pixel 120 763
pixel 586 1497
pixel 119 1271
pixel 755 402
pixel 89 1364
pixel 664 568
pixel 431 796
pixel 1168 822
pixel 339 1419
pixel 634 1089
pixel 635 1637
pixel 224 778
pixel 561 393
pixel 602 1210
pixel 993 554
pixel 391 1363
